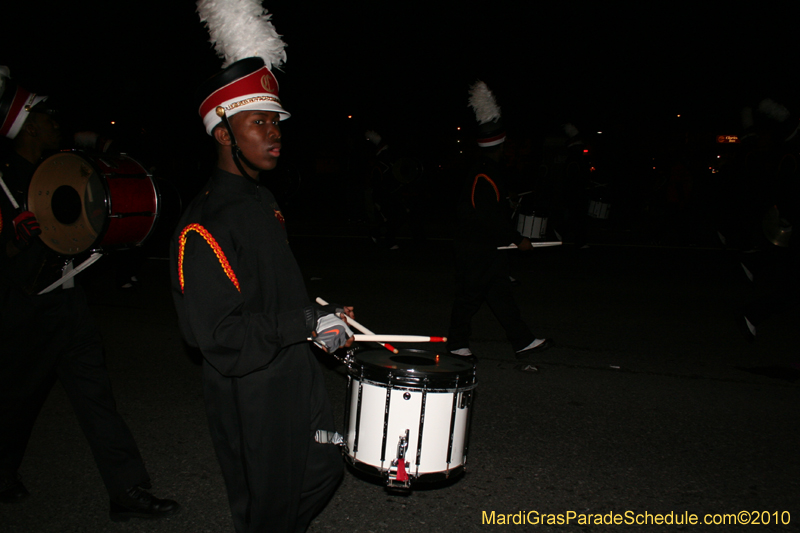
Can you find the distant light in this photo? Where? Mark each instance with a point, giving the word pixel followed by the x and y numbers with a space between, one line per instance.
pixel 349 116
pixel 585 150
pixel 458 140
pixel 458 128
pixel 679 116
pixel 113 122
pixel 599 132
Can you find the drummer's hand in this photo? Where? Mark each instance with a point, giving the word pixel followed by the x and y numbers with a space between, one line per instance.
pixel 525 245
pixel 332 333
pixel 26 227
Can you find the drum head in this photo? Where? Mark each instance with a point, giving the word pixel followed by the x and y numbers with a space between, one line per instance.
pixel 69 201
pixel 414 368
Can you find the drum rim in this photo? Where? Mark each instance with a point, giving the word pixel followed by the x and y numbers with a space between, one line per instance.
pixel 364 372
pixel 425 477
pixel 102 231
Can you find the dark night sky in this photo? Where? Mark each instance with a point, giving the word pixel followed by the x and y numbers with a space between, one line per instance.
pixel 406 67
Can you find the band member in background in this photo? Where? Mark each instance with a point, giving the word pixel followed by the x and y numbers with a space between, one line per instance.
pixel 52 336
pixel 484 223
pixel 242 301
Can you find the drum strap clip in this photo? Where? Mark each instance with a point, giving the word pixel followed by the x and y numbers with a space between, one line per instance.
pixel 329 437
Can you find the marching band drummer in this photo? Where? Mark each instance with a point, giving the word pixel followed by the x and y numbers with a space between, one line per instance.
pixel 481 269
pixel 241 299
pixel 52 336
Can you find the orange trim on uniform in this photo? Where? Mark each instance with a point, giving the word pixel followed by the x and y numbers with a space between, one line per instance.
pixel 226 266
pixel 475 183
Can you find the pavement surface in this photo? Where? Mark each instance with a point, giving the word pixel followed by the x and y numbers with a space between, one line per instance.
pixel 651 403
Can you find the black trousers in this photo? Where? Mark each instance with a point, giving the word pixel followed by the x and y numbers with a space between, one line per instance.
pixel 262 426
pixel 483 277
pixel 53 337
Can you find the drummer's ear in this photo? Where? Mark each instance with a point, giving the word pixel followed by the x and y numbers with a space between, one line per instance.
pixel 221 135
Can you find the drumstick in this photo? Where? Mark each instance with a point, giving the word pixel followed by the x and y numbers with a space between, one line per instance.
pixel 77 270
pixel 395 338
pixel 362 329
pixel 398 338
pixel 534 244
pixel 8 193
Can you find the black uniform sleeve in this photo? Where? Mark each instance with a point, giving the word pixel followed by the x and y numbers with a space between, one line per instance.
pixel 214 314
pixel 491 208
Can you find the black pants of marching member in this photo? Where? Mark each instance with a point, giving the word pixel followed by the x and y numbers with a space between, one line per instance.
pixel 53 337
pixel 262 425
pixel 483 277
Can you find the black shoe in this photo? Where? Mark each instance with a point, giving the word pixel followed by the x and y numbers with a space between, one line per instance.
pixel 540 347
pixel 13 491
pixel 138 503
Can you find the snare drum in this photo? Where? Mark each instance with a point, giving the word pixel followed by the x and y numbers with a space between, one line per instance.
pixel 408 415
pixel 85 201
pixel 532 226
pixel 599 209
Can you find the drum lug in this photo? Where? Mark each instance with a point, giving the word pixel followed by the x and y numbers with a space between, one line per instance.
pixel 398 476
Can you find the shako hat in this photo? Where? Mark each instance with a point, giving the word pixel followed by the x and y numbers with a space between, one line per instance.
pixel 490 131
pixel 15 104
pixel 246 85
pixel 244 36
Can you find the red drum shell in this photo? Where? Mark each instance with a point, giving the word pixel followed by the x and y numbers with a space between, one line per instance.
pixel 85 201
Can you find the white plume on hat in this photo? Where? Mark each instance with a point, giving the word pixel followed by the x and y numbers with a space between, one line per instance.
pixel 483 103
pixel 773 109
pixel 241 29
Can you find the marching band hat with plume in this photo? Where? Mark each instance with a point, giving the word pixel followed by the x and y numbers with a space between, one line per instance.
pixel 490 131
pixel 15 104
pixel 244 36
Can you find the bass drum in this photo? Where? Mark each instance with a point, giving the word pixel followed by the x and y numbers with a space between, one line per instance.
pixel 408 415
pixel 85 201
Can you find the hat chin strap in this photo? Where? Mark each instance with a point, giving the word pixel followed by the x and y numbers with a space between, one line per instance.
pixel 236 152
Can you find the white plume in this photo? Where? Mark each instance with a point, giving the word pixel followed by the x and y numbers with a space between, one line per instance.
pixel 773 109
pixel 4 73
pixel 483 103
pixel 240 29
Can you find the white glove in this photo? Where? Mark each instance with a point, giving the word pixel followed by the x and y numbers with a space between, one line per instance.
pixel 332 333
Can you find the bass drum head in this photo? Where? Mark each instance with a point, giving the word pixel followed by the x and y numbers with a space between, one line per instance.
pixel 70 203
pixel 414 368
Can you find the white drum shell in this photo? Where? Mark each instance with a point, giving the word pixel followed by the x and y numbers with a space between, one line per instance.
pixel 532 226
pixel 599 209
pixel 433 409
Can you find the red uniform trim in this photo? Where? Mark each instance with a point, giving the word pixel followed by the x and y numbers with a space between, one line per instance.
pixel 226 266
pixel 475 183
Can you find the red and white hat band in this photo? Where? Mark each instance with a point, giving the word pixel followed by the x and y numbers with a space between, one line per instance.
pixel 18 112
pixel 255 91
pixel 486 142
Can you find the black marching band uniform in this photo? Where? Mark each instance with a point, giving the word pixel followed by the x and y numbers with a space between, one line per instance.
pixel 241 299
pixel 51 337
pixel 484 224
pixel 264 390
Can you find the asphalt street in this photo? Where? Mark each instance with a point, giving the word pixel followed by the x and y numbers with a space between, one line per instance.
pixel 651 402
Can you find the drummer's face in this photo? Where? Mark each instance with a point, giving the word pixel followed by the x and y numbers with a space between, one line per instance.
pixel 258 135
pixel 48 130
